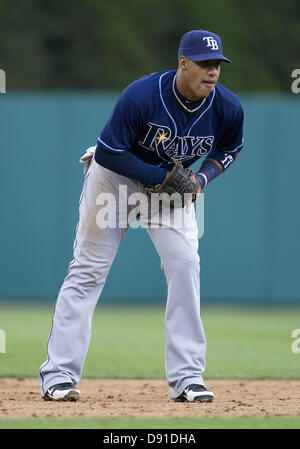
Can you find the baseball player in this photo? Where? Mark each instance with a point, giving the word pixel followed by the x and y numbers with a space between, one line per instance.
pixel 161 124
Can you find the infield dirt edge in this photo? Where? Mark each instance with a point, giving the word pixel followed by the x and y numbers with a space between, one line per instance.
pixel 20 398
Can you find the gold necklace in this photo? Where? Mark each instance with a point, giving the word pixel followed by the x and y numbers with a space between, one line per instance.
pixel 182 104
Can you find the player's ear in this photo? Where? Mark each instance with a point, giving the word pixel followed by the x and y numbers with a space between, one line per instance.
pixel 182 62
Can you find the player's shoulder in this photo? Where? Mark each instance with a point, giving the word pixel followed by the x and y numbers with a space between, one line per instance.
pixel 227 98
pixel 144 87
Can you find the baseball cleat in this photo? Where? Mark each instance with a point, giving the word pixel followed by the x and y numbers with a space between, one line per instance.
pixel 62 392
pixel 195 393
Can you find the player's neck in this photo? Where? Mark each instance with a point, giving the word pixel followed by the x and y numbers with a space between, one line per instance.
pixel 184 89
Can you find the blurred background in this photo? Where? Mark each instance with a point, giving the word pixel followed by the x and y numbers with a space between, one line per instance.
pixel 66 63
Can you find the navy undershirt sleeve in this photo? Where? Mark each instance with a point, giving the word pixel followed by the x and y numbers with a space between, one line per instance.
pixel 127 164
pixel 207 173
pixel 214 164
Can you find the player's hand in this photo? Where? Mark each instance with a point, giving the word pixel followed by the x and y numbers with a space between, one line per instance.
pixel 191 199
pixel 87 157
pixel 193 196
pixel 188 205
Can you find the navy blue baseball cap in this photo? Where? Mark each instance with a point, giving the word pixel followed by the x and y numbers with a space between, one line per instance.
pixel 201 45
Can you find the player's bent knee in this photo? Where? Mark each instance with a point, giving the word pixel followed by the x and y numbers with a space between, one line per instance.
pixel 89 274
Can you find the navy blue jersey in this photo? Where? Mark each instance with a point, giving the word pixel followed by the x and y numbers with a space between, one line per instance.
pixel 149 127
pixel 149 122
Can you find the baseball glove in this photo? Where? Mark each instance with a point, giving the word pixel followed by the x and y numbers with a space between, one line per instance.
pixel 181 181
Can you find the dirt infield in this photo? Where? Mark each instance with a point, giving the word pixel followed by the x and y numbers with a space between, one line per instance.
pixel 149 398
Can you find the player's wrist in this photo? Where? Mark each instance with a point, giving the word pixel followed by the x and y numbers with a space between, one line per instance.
pixel 204 179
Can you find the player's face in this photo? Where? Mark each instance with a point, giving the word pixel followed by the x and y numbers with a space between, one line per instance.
pixel 197 79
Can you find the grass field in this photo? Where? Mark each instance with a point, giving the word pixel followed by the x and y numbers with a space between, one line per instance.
pixel 128 342
pixel 153 423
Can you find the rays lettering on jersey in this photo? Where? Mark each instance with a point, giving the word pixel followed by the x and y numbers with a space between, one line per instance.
pixel 159 138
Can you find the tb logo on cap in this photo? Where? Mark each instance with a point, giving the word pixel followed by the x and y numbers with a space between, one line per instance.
pixel 211 42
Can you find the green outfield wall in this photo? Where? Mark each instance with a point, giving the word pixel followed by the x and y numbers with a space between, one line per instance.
pixel 251 244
